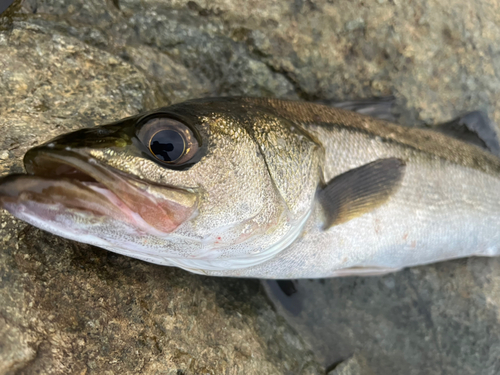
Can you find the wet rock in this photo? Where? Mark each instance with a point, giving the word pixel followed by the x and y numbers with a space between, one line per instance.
pixel 71 308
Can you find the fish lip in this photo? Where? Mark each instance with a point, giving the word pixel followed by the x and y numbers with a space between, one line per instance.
pixel 158 212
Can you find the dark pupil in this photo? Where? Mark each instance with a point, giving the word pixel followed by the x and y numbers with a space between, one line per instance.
pixel 167 145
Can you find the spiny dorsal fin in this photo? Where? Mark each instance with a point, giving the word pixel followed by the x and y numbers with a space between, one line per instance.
pixel 360 190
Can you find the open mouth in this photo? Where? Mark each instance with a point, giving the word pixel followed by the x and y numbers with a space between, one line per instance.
pixel 69 181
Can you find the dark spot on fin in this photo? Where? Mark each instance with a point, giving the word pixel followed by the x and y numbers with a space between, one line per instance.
pixel 360 190
pixel 473 127
pixel 380 108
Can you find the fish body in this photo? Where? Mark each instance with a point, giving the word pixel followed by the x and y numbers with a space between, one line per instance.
pixel 264 188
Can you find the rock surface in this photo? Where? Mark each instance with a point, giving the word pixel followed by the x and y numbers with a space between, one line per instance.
pixel 71 308
pixel 438 319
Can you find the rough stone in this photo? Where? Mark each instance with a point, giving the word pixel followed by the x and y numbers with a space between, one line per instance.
pixel 71 308
pixel 437 319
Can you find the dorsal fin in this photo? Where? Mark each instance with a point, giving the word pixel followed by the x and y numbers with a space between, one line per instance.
pixel 473 127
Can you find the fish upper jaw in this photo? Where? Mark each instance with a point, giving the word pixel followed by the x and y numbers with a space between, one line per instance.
pixel 73 181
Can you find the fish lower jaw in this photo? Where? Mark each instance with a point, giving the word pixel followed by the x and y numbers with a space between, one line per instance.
pixel 77 225
pixel 37 216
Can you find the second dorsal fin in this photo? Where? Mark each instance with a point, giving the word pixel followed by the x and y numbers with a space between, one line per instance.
pixel 473 127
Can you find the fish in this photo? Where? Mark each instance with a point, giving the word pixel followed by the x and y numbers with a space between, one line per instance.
pixel 267 188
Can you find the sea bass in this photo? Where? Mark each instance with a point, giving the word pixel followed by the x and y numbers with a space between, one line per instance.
pixel 265 188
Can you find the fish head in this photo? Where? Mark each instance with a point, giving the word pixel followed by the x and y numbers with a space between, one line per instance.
pixel 198 185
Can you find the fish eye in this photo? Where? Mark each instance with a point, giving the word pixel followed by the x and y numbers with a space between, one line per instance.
pixel 167 145
pixel 168 140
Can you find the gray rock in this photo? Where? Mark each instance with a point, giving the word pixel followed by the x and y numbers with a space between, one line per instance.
pixel 438 319
pixel 71 308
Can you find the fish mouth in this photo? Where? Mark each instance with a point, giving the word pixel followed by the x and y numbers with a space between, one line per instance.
pixel 62 181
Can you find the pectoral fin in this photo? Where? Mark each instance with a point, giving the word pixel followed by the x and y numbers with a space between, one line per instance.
pixel 360 190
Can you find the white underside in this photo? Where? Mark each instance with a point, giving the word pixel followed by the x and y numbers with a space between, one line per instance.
pixel 201 266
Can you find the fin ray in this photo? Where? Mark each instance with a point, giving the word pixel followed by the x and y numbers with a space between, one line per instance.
pixel 360 190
